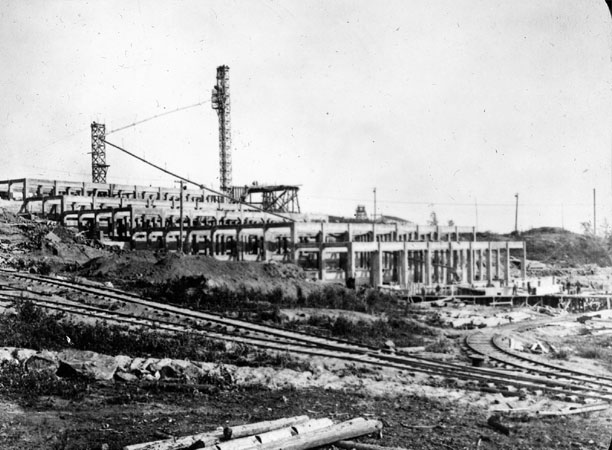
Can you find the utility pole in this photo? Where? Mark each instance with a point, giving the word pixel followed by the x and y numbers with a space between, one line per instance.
pixel 594 212
pixel 516 215
pixel 181 219
pixel 374 213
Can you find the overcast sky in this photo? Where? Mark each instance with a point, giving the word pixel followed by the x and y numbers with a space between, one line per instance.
pixel 450 106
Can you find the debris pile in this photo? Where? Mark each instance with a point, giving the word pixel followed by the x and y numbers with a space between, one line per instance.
pixel 291 433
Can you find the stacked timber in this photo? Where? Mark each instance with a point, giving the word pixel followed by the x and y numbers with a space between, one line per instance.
pixel 291 433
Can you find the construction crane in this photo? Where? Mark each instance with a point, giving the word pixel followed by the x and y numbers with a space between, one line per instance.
pixel 221 102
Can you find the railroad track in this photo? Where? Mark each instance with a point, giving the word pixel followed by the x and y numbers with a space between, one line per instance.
pixel 174 319
pixel 494 347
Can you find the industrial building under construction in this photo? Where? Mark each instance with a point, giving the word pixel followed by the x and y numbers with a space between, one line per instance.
pixel 261 222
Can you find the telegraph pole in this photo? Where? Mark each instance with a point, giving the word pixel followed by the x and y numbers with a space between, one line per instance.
pixel 594 212
pixel 374 214
pixel 516 215
pixel 181 219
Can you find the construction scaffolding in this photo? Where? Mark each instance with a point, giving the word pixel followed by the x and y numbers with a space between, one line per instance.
pixel 98 153
pixel 221 102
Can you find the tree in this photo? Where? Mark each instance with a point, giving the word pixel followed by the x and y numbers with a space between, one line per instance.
pixel 587 227
pixel 433 219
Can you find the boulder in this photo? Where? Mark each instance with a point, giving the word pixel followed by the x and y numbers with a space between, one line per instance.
pixel 125 376
pixel 158 364
pixel 123 362
pixel 7 355
pixel 137 366
pixel 42 362
pixel 186 369
pixel 23 354
pixel 89 364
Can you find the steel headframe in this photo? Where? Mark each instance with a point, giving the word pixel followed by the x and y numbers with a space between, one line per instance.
pixel 221 102
pixel 98 153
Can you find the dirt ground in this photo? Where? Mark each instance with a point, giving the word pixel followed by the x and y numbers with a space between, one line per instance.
pixel 119 415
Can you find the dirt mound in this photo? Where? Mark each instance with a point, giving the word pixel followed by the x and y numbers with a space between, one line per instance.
pixel 558 247
pixel 566 249
pixel 31 243
pixel 148 268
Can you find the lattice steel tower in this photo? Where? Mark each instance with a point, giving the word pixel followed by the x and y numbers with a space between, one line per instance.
pixel 221 102
pixel 98 153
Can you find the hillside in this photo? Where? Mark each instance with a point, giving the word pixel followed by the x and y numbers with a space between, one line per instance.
pixel 559 247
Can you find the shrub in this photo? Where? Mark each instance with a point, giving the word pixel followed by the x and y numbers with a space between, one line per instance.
pixel 28 386
pixel 441 345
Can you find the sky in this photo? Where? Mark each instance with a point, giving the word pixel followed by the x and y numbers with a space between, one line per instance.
pixel 452 106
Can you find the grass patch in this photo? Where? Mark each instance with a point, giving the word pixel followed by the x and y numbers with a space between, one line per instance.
pixel 32 327
pixel 403 332
pixel 593 352
pixel 28 386
pixel 194 292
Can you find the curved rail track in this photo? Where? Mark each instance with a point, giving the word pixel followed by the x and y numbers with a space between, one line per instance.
pixel 527 374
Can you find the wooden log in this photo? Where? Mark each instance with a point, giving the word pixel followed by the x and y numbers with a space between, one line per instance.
pixel 274 435
pixel 206 439
pixel 326 436
pixel 350 445
pixel 261 427
pixel 580 410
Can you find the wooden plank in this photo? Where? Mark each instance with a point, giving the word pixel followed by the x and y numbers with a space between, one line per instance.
pixel 261 427
pixel 207 439
pixel 345 430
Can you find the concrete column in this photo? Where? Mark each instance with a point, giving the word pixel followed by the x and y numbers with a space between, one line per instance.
pixel 293 243
pixel 377 267
pixel 435 267
pixel 470 265
pixel 321 261
pixel 349 232
pixel 507 268
pixel 524 261
pixel 264 244
pixel 452 265
pixel 350 261
pixel 474 234
pixel 238 247
pixel 457 234
pixel 403 267
pixel 489 265
pixel 427 263
pixel 498 264
pixel 374 232
pixel 25 189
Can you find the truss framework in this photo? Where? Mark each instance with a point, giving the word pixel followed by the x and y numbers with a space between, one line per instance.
pixel 98 153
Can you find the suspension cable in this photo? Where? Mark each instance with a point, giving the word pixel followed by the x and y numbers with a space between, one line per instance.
pixel 182 108
pixel 200 186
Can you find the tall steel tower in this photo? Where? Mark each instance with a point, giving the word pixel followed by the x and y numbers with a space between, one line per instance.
pixel 98 153
pixel 221 102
